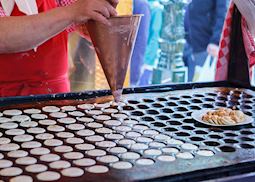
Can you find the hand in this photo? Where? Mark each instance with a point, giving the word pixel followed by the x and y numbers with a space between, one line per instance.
pixel 247 10
pixel 213 50
pixel 98 10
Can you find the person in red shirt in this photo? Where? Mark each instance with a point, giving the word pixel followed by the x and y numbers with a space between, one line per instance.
pixel 33 49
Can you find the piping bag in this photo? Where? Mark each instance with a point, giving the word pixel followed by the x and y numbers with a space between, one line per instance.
pixel 114 46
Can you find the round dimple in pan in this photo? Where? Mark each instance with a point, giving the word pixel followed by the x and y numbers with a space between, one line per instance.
pixel 50 109
pixel 130 122
pixel 161 99
pixel 166 158
pixel 73 155
pixel 152 112
pixel 119 116
pixel 175 142
pixel 183 102
pixel 5 163
pixel 133 134
pixel 21 118
pixel 60 164
pixel 85 133
pixel 11 171
pixel 137 113
pixel 17 154
pixel 205 153
pixel 86 106
pixel 211 143
pixel 142 106
pixel 66 120
pixel 39 116
pixel 184 155
pixel 156 144
pixel 114 136
pixel 182 134
pixel 112 123
pixel 247 145
pixel 106 144
pixel 230 134
pixel 85 162
pixel 122 165
pixel 47 122
pixel 94 125
pixel 49 157
pixel 9 147
pixel 13 132
pixel 157 105
pixel 68 108
pixel 226 148
pixel 48 176
pixel 65 135
pixel 108 159
pixel 247 139
pixel 174 123
pixel 72 172
pixel 147 119
pixel 58 115
pixel 85 147
pixel 85 119
pixel 139 146
pixel 22 178
pixel 171 104
pixel 39 151
pixel 74 141
pixel 28 124
pixel 145 162
pixel 177 116
pixel 32 111
pixel 97 169
pixel 104 130
pixel 110 111
pixel 130 156
pixel 128 108
pixel 148 100
pixel 117 150
pixel 201 132
pixel 26 161
pixel 12 112
pixel 4 140
pixel 196 138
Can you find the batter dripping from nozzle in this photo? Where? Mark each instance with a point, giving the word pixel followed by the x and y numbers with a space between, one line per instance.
pixel 114 46
pixel 117 95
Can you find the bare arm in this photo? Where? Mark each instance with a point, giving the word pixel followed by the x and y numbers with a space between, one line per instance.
pixel 26 32
pixel 23 33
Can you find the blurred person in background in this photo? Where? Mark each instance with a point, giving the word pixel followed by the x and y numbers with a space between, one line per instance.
pixel 203 25
pixel 140 7
pixel 151 53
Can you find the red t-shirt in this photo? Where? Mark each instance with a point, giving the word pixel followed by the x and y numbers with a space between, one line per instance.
pixel 42 71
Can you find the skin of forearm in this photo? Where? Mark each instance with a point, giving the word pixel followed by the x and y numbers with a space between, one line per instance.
pixel 23 33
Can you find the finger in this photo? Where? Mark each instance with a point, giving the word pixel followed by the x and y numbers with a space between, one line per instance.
pixel 104 11
pixel 111 9
pixel 114 3
pixel 100 18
